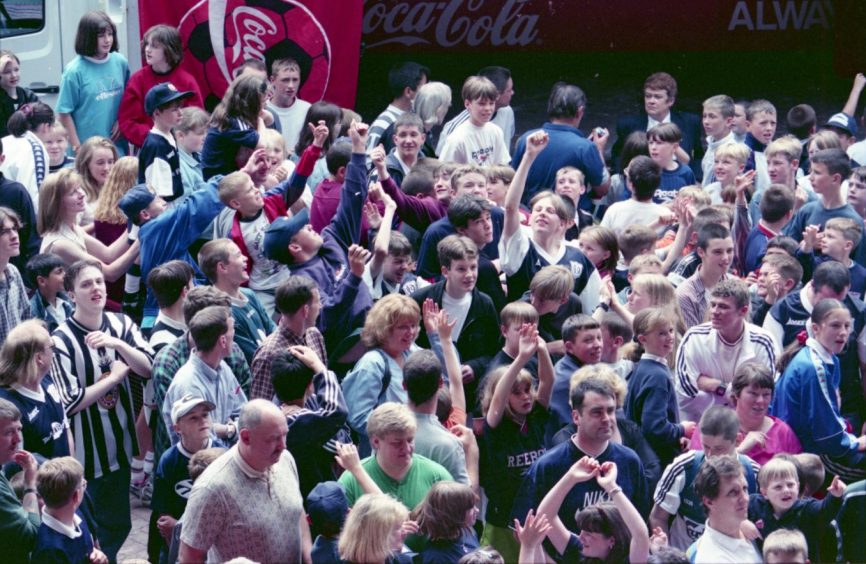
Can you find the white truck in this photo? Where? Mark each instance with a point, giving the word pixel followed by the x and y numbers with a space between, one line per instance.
pixel 42 34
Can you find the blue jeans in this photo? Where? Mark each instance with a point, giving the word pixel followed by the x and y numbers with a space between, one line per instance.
pixel 110 494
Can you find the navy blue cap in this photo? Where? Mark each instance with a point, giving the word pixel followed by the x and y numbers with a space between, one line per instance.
pixel 327 505
pixel 135 201
pixel 162 94
pixel 280 233
pixel 844 122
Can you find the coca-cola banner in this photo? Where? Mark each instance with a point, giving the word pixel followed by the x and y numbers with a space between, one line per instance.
pixel 595 25
pixel 324 36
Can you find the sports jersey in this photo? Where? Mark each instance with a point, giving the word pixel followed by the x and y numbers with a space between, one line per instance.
pixel 44 423
pixel 159 165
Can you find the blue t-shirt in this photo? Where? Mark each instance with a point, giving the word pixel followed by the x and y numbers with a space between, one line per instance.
pixel 171 483
pixel 53 546
pixel 672 181
pixel 90 92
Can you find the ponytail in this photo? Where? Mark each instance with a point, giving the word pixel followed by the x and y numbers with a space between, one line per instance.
pixel 819 313
pixel 29 117
pixel 798 344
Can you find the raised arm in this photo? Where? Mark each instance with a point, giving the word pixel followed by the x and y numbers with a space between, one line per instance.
pixel 417 212
pixel 293 188
pixel 850 107
pixel 528 346
pixel 348 459
pixel 535 143
pixel 545 374
pixel 640 545
pixel 583 470
pixel 383 236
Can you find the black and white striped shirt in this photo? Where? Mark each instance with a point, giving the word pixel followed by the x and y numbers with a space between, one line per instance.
pixel 104 432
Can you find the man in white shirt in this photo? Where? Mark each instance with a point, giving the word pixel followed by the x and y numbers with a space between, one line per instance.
pixel 290 111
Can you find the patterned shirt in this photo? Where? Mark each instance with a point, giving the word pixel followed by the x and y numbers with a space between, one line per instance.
pixel 166 364
pixel 13 296
pixel 281 340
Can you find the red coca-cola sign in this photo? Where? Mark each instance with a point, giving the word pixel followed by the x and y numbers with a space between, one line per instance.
pixel 219 35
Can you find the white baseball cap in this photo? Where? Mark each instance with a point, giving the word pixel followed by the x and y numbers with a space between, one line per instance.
pixel 185 404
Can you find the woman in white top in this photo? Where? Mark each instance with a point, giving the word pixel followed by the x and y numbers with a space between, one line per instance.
pixel 61 199
pixel 26 160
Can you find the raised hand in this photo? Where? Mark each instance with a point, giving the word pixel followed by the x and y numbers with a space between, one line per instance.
pixel 534 529
pixel 320 133
pixel 347 457
pixel 309 357
pixel 536 142
pixel 606 476
pixel 584 469
pixel 528 340
pixel 430 315
pixel 444 326
pixel 377 155
pixel 358 134
pixel 837 487
pixel 374 218
pixel 358 256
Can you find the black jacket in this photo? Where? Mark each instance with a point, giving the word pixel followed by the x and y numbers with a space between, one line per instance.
pixel 690 127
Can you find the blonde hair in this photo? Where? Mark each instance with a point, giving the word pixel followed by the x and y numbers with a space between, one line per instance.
pixel 18 353
pixel 736 151
pixel 662 294
pixel 231 185
pixel 699 196
pixel 517 312
pixel 385 315
pixel 788 542
pixel 644 261
pixel 123 176
pixel 56 186
pixel 776 469
pixel 492 379
pixel 825 139
pixel 82 163
pixel 271 139
pixel 367 534
pixel 58 479
pixel 581 178
pixel 604 373
pixel 787 146
pixel 554 282
pixel 390 417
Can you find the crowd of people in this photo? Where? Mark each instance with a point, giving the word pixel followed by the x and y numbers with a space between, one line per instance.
pixel 298 337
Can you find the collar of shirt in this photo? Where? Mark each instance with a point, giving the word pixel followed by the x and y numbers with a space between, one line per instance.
pixel 650 356
pixel 652 122
pixel 248 470
pixel 729 138
pixel 825 355
pixel 188 159
pixel 160 318
pixel 28 393
pixel 203 368
pixel 290 336
pixel 731 544
pixel 186 453
pixel 72 532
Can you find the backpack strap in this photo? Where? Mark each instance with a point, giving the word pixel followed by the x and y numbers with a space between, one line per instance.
pixel 386 378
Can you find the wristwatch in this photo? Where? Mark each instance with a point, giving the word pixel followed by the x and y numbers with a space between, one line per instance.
pixel 722 390
pixel 603 306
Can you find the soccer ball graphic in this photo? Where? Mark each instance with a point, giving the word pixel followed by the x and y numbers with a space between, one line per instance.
pixel 219 35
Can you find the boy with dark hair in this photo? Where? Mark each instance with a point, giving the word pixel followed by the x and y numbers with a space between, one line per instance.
pixel 717 117
pixel 615 332
pixel 170 283
pixel 288 109
pixel 716 251
pixel 477 141
pixel 326 198
pixel 686 265
pixel 49 302
pixel 422 378
pixel 781 245
pixel 802 121
pixel 334 260
pixel 644 178
pixel 315 410
pixel 158 161
pixel 475 332
pixel 470 216
pixel 226 267
pixel 777 209
pixel 404 79
pixel 664 142
pixel 63 536
pixel 503 116
pixel 408 140
pixel 581 336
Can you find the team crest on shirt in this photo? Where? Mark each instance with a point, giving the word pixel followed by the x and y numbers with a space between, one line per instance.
pixel 34 413
pixel 576 268
pixel 183 488
pixel 56 431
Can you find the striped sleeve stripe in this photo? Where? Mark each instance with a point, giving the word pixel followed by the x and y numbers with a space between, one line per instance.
pixel 675 468
pixel 688 387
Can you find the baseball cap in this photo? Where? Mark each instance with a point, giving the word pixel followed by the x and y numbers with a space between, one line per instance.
pixel 162 94
pixel 280 233
pixel 843 122
pixel 135 201
pixel 327 505
pixel 185 404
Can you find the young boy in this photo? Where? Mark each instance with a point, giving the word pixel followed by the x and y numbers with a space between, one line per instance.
pixel 716 251
pixel 761 121
pixel 551 293
pixel 664 142
pixel 717 117
pixel 63 535
pixel 170 283
pixel 581 335
pixel 840 236
pixel 404 80
pixel 645 263
pixel 476 329
pixel 477 141
pixel 255 212
pixel 728 163
pixel 615 333
pixel 190 417
pixel 56 143
pixel 779 275
pixel 327 509
pixel 289 111
pixel 786 546
pixel 499 178
pixel 226 267
pixel 644 178
pixel 633 241
pixel 49 303
pixel 777 209
pixel 470 216
pixel 409 136
pixel 333 259
pixel 778 506
pixel 678 510
pixel 512 317
pixel 740 123
pixel 857 191
pixel 158 161
pixel 571 185
pixel 190 133
pixel 830 168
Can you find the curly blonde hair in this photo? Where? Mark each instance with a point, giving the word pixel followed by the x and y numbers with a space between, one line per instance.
pixel 385 315
pixel 123 176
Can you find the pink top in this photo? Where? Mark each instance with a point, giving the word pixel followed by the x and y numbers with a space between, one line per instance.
pixel 780 438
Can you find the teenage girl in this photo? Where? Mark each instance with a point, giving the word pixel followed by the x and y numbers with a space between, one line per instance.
pixel 162 52
pixel 599 245
pixel 93 83
pixel 25 156
pixel 447 516
pixel 96 157
pixel 12 96
pixel 374 531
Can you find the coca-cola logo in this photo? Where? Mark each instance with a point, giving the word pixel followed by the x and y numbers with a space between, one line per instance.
pixel 455 22
pixel 219 35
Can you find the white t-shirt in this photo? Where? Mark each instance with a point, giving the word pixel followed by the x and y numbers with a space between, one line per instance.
pixel 629 212
pixel 266 274
pixel 457 310
pixel 291 121
pixel 483 146
pixel 717 548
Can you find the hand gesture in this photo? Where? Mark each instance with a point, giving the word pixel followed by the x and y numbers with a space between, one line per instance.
pixel 742 183
pixel 606 476
pixel 466 436
pixel 658 539
pixel 607 291
pixel 119 371
pixel 444 326
pixel 599 136
pixel 751 440
pixel 28 464
pixel 280 173
pixel 408 528
pixel 320 133
pixel 585 469
pixel 859 80
pixel 528 341
pixel 309 357
pixel 377 155
pixel 257 165
pixel 374 218
pixel 358 256
pixel 99 339
pixel 358 135
pixel 837 487
pixel 750 531
pixel 811 238
pixel 861 443
pixel 166 524
pixel 534 529
pixel 347 457
pixel 536 143
pixel 430 315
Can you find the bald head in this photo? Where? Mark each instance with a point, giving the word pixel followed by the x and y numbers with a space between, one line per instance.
pixel 256 411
